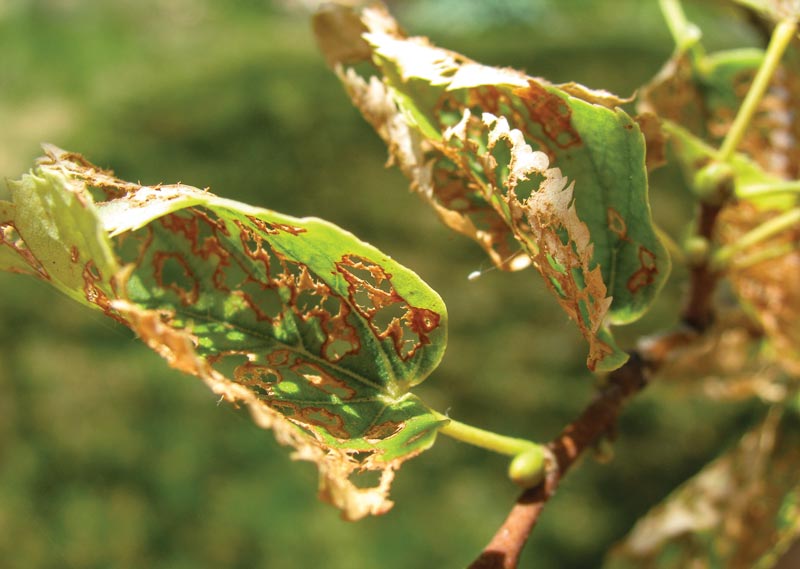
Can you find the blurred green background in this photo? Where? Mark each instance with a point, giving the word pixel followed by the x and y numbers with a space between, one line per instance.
pixel 110 459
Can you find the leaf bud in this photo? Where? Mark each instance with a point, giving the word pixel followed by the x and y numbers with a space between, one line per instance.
pixel 527 469
pixel 713 183
pixel 697 250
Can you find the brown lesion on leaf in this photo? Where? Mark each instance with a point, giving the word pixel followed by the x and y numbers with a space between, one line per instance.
pixel 616 223
pixel 325 419
pixel 382 431
pixel 547 223
pixel 77 166
pixel 270 228
pixel 414 439
pixel 261 300
pixel 261 378
pixel 10 237
pixel 323 381
pixel 172 272
pixel 374 297
pixel 551 112
pixel 645 275
pixel 95 294
pixel 655 140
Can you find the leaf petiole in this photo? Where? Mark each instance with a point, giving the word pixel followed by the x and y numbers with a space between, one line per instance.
pixel 488 440
pixel 777 188
pixel 684 33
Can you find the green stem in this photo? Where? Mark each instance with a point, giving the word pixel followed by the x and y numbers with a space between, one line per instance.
pixel 781 37
pixel 488 440
pixel 777 188
pixel 684 33
pixel 786 220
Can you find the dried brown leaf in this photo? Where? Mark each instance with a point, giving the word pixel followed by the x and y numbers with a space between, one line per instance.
pixel 768 284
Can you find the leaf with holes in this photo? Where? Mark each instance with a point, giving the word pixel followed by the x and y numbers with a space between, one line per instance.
pixel 519 165
pixel 741 511
pixel 320 334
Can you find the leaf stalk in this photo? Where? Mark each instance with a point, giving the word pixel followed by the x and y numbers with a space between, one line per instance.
pixel 482 438
pixel 684 33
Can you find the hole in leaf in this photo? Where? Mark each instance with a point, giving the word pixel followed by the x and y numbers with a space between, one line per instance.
pixel 366 478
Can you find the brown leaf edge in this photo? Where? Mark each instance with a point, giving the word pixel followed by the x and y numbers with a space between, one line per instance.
pixel 335 466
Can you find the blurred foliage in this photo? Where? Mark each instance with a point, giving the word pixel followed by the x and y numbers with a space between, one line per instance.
pixel 109 459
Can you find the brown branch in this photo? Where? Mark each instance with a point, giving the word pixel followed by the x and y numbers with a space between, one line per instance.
pixel 698 312
pixel 597 420
pixel 600 417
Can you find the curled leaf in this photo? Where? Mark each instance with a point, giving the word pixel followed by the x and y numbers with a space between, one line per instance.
pixel 319 334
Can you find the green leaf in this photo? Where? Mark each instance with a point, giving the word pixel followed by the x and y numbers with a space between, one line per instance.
pixel 320 334
pixel 739 511
pixel 515 163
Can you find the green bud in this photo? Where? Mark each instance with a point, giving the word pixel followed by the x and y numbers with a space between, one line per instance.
pixel 527 469
pixel 713 184
pixel 697 249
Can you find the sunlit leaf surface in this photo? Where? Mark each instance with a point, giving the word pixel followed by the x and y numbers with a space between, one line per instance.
pixel 556 173
pixel 320 334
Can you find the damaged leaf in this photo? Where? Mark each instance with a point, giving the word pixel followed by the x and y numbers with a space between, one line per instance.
pixel 759 275
pixel 319 334
pixel 704 93
pixel 556 173
pixel 742 511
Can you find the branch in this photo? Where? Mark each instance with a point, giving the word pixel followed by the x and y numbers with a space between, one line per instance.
pixel 698 312
pixel 597 420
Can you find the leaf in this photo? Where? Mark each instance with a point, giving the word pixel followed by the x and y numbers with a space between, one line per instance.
pixel 727 362
pixel 477 143
pixel 52 231
pixel 319 334
pixel 702 94
pixel 760 275
pixel 741 511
